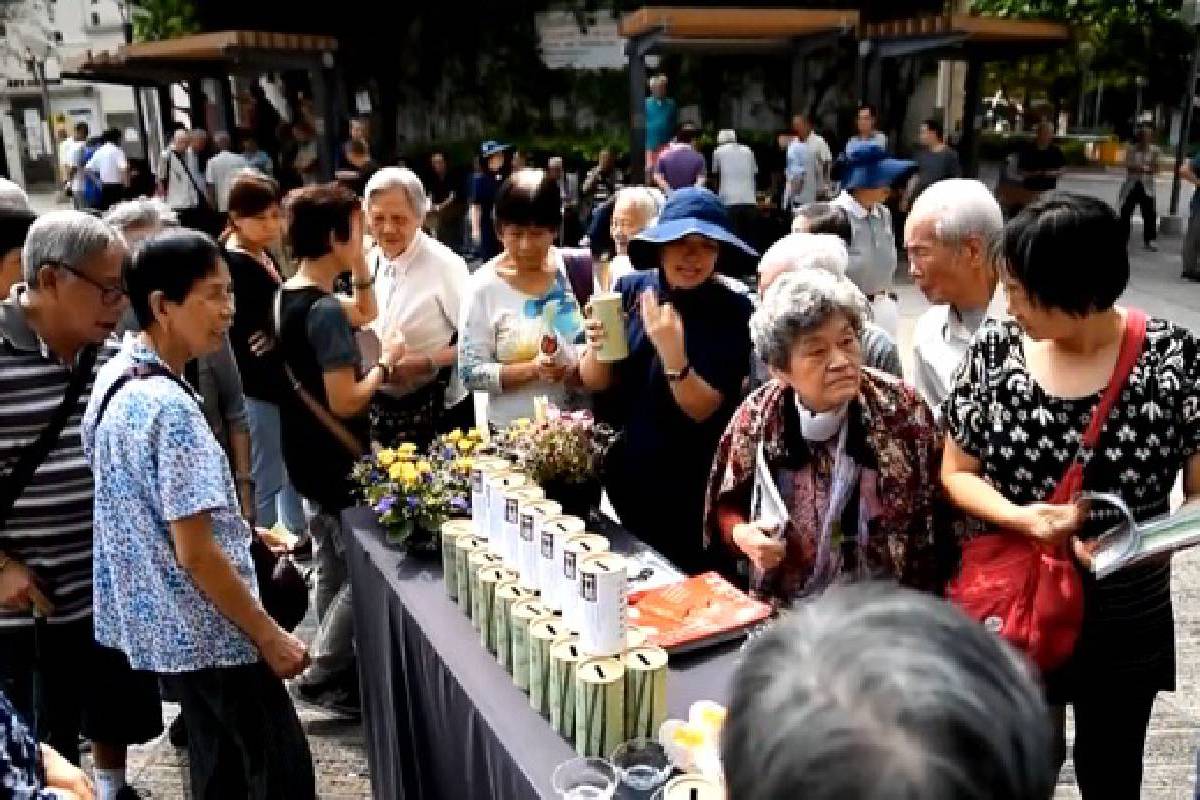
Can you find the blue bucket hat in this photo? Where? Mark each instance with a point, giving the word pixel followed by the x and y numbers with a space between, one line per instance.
pixel 866 165
pixel 688 211
pixel 491 147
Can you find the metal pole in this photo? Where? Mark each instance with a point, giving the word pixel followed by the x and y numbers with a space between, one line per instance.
pixel 1185 124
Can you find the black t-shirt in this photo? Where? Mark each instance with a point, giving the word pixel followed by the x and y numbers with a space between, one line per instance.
pixel 1036 159
pixel 254 290
pixel 315 338
pixel 935 166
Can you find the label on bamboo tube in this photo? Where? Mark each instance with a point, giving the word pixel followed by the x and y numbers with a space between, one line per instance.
pixel 513 500
pixel 497 486
pixel 692 787
pixel 507 595
pixel 576 550
pixel 464 546
pixel 523 613
pixel 532 515
pixel 603 598
pixel 599 707
pixel 564 658
pixel 552 539
pixel 451 530
pixel 480 469
pixel 485 602
pixel 476 562
pixel 544 633
pixel 645 691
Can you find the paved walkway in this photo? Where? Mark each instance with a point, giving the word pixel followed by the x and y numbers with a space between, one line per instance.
pixel 161 772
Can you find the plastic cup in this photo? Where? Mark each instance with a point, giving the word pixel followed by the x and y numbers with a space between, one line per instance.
pixel 585 779
pixel 643 764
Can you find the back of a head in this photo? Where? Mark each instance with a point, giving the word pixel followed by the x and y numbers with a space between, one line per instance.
pixel 113 136
pixel 823 218
pixel 797 251
pixel 686 133
pixel 12 197
pixel 171 262
pixel 315 212
pixel 726 136
pixel 873 692
pixel 148 214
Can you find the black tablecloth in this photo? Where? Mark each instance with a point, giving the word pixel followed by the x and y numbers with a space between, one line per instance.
pixel 443 720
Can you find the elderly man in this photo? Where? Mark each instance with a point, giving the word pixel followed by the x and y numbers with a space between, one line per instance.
pixel 177 182
pixel 418 289
pixel 15 219
pixel 948 236
pixel 631 211
pixel 50 324
pixel 221 169
pixel 661 120
pixel 809 161
pixel 735 168
pixel 921 700
pixel 826 252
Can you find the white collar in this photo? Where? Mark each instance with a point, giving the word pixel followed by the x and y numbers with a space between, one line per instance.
pixel 851 204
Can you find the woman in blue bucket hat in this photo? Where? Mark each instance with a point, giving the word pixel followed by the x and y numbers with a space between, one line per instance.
pixel 484 185
pixel 672 396
pixel 867 174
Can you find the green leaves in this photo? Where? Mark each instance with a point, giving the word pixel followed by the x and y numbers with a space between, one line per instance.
pixel 156 20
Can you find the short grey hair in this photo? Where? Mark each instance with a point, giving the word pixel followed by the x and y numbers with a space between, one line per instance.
pixel 144 212
pixel 401 178
pixel 64 237
pixel 646 200
pixel 797 304
pixel 960 208
pixel 923 701
pixel 13 197
pixel 823 251
pixel 726 136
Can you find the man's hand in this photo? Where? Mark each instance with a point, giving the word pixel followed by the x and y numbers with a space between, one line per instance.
pixel 285 654
pixel 19 590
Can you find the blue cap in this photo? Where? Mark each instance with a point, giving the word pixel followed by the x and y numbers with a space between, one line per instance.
pixel 866 165
pixel 687 211
pixel 491 147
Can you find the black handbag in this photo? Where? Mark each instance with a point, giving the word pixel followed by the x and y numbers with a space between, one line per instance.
pixel 281 587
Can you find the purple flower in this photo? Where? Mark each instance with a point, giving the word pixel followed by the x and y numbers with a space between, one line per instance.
pixel 458 503
pixel 413 502
pixel 385 504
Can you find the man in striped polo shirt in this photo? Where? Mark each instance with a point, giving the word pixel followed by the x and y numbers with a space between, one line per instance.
pixel 69 301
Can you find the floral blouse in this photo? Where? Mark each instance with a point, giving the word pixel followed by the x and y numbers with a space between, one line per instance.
pixel 20 761
pixel 891 435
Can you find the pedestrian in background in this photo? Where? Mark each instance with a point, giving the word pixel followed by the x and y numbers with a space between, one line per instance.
pixel 735 169
pixel 1137 191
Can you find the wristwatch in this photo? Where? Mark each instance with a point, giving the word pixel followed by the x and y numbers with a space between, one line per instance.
pixel 675 376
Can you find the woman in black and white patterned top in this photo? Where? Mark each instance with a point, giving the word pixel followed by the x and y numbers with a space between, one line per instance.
pixel 1016 415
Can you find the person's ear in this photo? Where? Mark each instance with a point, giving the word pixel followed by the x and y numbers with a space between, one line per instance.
pixel 158 306
pixel 46 279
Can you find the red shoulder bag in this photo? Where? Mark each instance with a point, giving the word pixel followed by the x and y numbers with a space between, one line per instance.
pixel 1029 592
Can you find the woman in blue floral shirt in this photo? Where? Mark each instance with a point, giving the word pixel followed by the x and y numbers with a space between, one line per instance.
pixel 174 583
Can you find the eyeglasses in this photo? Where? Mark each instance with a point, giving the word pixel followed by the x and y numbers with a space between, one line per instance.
pixel 109 295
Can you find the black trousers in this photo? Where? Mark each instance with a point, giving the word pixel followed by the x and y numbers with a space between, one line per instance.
pixel 1110 739
pixel 60 679
pixel 111 194
pixel 244 738
pixel 1139 198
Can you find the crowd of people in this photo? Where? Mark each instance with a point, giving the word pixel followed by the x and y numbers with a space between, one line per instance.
pixel 166 395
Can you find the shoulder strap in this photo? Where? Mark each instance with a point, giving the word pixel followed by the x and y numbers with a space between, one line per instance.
pixel 578 261
pixel 1127 358
pixel 202 198
pixel 335 428
pixel 137 372
pixel 35 453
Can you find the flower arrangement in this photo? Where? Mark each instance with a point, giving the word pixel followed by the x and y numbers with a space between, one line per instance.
pixel 565 447
pixel 412 494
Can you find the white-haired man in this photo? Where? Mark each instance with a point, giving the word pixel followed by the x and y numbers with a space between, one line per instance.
pixel 735 168
pixel 419 284
pixel 826 252
pixel 70 299
pixel 949 237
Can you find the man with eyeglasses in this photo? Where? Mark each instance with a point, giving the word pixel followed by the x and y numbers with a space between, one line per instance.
pixel 61 682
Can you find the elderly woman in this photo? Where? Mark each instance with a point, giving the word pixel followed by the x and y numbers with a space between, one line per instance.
pixel 174 581
pixel 827 252
pixel 867 175
pixel 850 451
pixel 1016 414
pixel 689 353
pixel 419 283
pixel 520 317
pixel 630 211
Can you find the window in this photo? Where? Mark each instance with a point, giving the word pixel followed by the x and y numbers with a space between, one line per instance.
pixel 95 19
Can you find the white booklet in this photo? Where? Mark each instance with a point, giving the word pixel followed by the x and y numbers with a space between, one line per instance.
pixel 1128 543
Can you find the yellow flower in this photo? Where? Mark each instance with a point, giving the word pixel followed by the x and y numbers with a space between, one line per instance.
pixel 473 433
pixel 424 467
pixel 385 457
pixel 396 472
pixel 466 445
pixel 465 464
pixel 408 473
pixel 407 447
pixel 521 422
pixel 454 435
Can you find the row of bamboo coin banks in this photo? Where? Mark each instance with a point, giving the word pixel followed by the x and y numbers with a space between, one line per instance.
pixel 557 625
